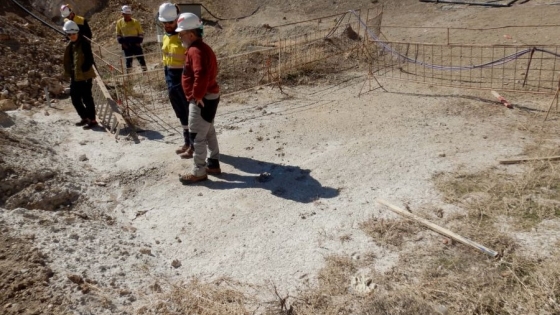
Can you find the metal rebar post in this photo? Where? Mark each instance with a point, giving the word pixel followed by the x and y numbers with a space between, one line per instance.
pixel 47 97
pixel 528 66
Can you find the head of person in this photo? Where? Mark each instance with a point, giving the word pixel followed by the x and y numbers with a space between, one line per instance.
pixel 71 29
pixel 168 14
pixel 126 12
pixel 189 27
pixel 66 12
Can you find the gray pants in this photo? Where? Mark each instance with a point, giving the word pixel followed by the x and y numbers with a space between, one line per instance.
pixel 205 140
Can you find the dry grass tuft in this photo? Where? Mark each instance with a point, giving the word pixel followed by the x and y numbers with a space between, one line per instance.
pixel 334 278
pixel 527 198
pixel 214 298
pixel 389 232
pixel 331 295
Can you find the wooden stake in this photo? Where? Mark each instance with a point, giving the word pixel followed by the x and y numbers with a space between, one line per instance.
pixel 502 99
pixel 528 66
pixel 552 103
pixel 438 228
pixel 515 161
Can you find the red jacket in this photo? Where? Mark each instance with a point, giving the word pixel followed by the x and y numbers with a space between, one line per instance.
pixel 200 71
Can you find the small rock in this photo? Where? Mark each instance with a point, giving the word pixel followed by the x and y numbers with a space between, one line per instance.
pixel 175 263
pixel 146 251
pixel 440 309
pixel 7 104
pixel 83 158
pixel 75 278
pixel 25 107
pixel 264 177
pixel 85 288
pixel 441 154
pixel 40 187
pixel 23 83
pixel 83 142
pixel 124 292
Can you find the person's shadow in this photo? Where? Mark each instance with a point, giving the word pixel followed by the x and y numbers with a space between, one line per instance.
pixel 283 181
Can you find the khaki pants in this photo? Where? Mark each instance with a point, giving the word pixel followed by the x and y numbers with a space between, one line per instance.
pixel 203 136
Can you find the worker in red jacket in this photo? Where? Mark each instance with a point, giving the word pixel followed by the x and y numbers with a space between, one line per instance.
pixel 203 93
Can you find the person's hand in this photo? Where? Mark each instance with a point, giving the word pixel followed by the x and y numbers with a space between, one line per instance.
pixel 200 103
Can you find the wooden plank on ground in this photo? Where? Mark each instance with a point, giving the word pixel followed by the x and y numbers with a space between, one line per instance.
pixel 544 158
pixel 438 228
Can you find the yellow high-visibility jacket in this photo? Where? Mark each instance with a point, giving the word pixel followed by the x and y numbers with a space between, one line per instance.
pixel 129 32
pixel 173 51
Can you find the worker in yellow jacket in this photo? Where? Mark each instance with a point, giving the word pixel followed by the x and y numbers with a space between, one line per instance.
pixel 173 62
pixel 69 15
pixel 130 35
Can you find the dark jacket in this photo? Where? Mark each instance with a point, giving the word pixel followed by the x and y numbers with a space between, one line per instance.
pixel 78 60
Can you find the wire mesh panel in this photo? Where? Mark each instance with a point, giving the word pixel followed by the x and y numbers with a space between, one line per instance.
pixel 523 68
pixel 513 68
pixel 323 44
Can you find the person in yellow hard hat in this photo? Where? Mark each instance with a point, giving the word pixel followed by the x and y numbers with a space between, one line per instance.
pixel 131 35
pixel 173 61
pixel 78 66
pixel 69 15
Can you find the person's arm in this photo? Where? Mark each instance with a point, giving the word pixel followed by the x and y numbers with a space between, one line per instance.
pixel 200 77
pixel 120 37
pixel 140 38
pixel 67 63
pixel 88 56
pixel 186 80
pixel 87 30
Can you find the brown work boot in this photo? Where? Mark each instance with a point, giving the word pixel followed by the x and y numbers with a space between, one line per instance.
pixel 91 124
pixel 214 170
pixel 188 154
pixel 191 178
pixel 182 149
pixel 82 122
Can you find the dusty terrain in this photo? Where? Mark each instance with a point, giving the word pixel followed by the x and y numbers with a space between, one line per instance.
pixel 91 224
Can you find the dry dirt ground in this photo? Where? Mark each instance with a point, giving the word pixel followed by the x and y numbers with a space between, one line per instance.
pixel 91 224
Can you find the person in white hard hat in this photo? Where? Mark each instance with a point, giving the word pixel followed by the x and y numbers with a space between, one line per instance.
pixel 69 15
pixel 203 93
pixel 173 61
pixel 130 35
pixel 78 66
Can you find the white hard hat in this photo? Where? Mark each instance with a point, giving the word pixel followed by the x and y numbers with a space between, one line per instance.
pixel 167 12
pixel 65 10
pixel 126 10
pixel 188 21
pixel 70 27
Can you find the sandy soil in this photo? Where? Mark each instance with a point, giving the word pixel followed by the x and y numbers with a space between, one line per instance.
pixel 301 170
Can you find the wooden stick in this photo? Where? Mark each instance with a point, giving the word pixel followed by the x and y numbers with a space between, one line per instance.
pixel 515 161
pixel 552 103
pixel 502 99
pixel 438 229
